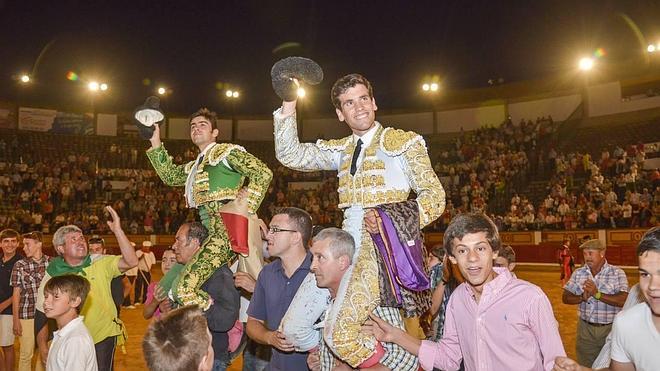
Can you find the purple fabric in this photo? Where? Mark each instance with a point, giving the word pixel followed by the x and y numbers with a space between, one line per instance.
pixel 378 241
pixel 406 262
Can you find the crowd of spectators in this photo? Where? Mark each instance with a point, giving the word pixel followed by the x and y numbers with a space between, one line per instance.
pixel 479 172
pixel 615 193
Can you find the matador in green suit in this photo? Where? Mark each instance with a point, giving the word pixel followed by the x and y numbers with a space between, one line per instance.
pixel 212 180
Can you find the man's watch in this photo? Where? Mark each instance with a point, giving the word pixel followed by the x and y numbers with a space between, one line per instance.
pixel 598 295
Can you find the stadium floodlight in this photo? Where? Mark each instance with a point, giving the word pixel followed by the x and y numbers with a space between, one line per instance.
pixel 162 91
pixel 301 92
pixel 586 64
pixel 93 86
pixel 229 93
pixel 426 87
pixel 651 48
pixel 235 94
pixel 435 86
pixel 25 78
pixel 103 86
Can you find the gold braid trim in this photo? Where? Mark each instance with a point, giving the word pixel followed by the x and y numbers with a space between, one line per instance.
pixel 220 151
pixel 395 142
pixel 334 144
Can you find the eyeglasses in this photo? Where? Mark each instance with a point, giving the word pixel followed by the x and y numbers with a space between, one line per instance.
pixel 273 230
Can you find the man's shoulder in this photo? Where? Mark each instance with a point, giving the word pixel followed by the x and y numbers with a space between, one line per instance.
pixel 220 151
pixel 526 288
pixel 334 144
pixel 632 316
pixel 271 267
pixel 394 142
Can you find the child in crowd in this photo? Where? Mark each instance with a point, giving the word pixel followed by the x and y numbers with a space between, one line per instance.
pixel 72 347
pixel 157 301
pixel 506 258
pixel 179 341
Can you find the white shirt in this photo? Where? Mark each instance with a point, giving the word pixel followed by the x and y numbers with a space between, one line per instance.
pixel 191 177
pixel 635 338
pixel 72 349
pixel 146 260
pixel 366 141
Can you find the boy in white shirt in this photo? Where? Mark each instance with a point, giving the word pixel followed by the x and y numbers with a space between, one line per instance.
pixel 72 347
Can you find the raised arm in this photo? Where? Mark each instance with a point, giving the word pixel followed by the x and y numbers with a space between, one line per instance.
pixel 170 173
pixel 293 154
pixel 128 257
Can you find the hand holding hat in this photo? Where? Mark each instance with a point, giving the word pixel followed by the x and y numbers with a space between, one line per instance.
pixel 287 74
pixel 148 115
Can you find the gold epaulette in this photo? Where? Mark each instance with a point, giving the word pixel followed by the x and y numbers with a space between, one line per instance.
pixel 220 151
pixel 395 141
pixel 334 144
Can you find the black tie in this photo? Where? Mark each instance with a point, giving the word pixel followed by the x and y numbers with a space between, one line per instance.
pixel 199 161
pixel 356 154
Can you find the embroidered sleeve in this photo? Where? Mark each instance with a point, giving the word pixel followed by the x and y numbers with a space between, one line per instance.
pixel 256 171
pixel 422 177
pixel 300 156
pixel 170 173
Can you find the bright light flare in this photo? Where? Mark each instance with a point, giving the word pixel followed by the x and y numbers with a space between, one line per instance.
pixel 434 86
pixel 162 91
pixel 25 79
pixel 103 87
pixel 426 87
pixel 229 93
pixel 235 94
pixel 301 93
pixel 650 48
pixel 93 86
pixel 586 64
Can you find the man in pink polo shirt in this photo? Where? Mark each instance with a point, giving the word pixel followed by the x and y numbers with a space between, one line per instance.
pixel 493 321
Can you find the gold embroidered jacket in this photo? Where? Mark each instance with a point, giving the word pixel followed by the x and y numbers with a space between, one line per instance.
pixel 395 163
pixel 219 176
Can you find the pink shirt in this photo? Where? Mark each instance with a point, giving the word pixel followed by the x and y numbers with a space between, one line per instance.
pixel 512 327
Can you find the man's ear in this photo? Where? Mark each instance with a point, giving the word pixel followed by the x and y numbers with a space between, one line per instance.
pixel 452 259
pixel 344 262
pixel 59 249
pixel 512 266
pixel 340 115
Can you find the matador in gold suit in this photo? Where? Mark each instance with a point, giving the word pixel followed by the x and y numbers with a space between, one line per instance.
pixel 376 165
pixel 212 180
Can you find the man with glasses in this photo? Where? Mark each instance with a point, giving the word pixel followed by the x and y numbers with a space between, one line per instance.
pixel 288 239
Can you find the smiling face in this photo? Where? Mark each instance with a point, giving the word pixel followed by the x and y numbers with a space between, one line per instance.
pixel 474 257
pixel 201 132
pixel 649 279
pixel 31 247
pixel 358 109
pixel 74 249
pixel 9 245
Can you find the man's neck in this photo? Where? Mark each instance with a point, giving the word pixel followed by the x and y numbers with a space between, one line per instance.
pixel 203 146
pixel 478 290
pixel 37 256
pixel 292 261
pixel 73 262
pixel 596 270
pixel 6 256
pixel 65 318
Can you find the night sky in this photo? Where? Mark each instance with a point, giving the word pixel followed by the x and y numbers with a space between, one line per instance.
pixel 194 47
